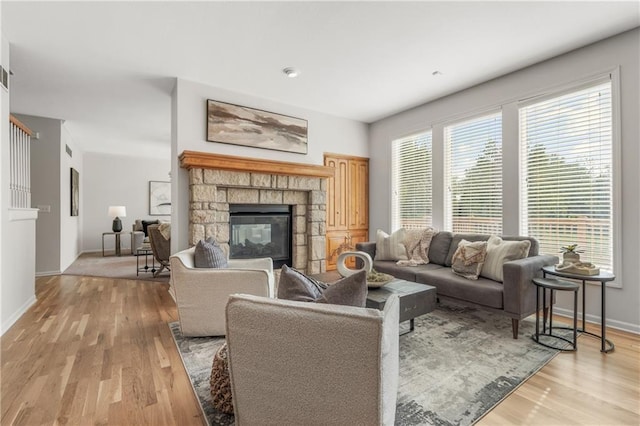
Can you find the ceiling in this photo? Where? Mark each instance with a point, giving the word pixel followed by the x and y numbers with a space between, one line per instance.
pixel 108 68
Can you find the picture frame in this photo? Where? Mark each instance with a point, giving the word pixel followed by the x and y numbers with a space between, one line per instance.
pixel 159 198
pixel 239 125
pixel 75 192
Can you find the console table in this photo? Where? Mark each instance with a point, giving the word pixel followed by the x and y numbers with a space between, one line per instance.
pixel 117 237
pixel 603 277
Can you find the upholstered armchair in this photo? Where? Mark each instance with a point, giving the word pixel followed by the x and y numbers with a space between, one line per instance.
pixel 160 246
pixel 201 293
pixel 137 238
pixel 302 363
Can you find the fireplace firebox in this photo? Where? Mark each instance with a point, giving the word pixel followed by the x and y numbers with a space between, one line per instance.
pixel 261 230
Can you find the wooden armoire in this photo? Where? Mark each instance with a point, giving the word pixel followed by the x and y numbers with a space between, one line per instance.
pixel 347 205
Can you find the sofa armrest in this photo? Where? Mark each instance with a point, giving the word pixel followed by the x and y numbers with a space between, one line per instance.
pixel 137 238
pixel 368 247
pixel 519 290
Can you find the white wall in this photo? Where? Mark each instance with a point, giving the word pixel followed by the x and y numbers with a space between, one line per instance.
pixel 622 50
pixel 189 123
pixel 70 226
pixel 17 226
pixel 116 180
pixel 45 190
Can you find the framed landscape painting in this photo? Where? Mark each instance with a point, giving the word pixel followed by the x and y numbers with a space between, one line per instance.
pixel 238 125
pixel 75 192
pixel 159 198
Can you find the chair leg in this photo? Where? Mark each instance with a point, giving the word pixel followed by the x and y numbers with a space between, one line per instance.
pixel 515 323
pixel 157 272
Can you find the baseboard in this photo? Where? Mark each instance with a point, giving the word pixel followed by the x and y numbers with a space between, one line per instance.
pixel 17 314
pixel 594 319
pixel 47 273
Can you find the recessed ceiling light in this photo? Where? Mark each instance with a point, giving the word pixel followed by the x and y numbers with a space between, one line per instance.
pixel 436 73
pixel 291 72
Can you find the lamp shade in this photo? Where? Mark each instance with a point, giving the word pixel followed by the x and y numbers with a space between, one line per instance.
pixel 117 211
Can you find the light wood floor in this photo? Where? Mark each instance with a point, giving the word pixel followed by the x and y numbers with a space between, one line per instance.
pixel 98 351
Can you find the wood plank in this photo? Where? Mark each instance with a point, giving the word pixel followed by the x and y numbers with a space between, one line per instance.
pixel 207 160
pixel 124 369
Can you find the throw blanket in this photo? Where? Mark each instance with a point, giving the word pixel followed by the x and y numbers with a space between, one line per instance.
pixel 417 242
pixel 165 230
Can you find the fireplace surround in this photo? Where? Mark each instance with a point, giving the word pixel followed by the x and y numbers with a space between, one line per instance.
pixel 218 181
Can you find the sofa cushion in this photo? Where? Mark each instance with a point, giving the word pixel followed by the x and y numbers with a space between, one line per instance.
pixel 350 291
pixel 407 273
pixel 500 251
pixel 208 254
pixel 439 248
pixel 455 241
pixel 390 247
pixel 482 291
pixel 469 258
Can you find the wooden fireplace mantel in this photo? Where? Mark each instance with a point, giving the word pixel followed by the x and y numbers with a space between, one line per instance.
pixel 205 160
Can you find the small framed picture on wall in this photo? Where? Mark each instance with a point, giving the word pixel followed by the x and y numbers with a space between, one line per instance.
pixel 159 198
pixel 75 192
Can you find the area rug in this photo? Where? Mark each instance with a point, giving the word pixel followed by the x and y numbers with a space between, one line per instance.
pixel 456 365
pixel 122 267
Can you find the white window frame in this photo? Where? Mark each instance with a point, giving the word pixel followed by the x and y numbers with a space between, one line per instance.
pixel 395 224
pixel 612 75
pixel 448 204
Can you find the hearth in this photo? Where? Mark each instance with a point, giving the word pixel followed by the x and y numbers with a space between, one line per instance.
pixel 261 230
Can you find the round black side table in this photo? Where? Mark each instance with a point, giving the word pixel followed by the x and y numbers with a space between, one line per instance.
pixel 602 278
pixel 542 285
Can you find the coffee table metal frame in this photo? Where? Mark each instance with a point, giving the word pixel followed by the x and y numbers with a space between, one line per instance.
pixel 606 345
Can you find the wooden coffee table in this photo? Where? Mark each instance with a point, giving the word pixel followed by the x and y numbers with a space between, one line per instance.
pixel 415 299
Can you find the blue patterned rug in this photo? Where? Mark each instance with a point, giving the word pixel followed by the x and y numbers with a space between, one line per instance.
pixel 456 365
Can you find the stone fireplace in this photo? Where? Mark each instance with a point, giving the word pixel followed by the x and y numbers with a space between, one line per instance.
pixel 217 181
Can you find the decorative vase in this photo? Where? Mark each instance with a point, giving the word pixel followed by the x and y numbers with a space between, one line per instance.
pixel 117 225
pixel 571 257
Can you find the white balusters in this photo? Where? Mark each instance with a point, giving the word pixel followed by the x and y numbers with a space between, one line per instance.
pixel 20 165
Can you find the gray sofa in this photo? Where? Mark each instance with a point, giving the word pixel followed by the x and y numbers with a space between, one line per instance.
pixel 514 298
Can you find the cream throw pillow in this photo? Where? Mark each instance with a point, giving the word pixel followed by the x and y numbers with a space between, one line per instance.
pixel 500 251
pixel 390 247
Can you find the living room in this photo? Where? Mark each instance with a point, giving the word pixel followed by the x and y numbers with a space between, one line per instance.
pixel 182 122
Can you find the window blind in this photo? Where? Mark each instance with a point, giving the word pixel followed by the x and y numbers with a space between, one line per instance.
pixel 411 177
pixel 566 168
pixel 473 175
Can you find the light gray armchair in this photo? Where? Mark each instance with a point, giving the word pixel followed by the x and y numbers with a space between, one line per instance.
pixel 137 238
pixel 302 363
pixel 201 293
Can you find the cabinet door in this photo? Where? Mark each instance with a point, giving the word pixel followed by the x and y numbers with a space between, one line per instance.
pixel 356 237
pixel 358 194
pixel 337 194
pixel 334 240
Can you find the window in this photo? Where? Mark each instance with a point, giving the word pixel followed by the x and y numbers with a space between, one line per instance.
pixel 473 175
pixel 566 167
pixel 411 174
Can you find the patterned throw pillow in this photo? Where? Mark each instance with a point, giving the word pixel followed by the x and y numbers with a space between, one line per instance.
pixel 390 247
pixel 350 291
pixel 208 254
pixel 469 258
pixel 500 251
